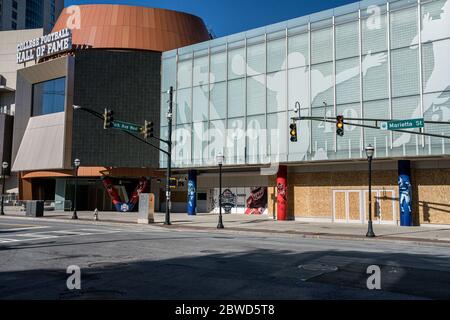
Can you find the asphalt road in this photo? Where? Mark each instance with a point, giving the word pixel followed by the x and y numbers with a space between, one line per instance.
pixel 150 262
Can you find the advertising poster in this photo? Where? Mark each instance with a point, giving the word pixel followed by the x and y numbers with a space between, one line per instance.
pixel 249 200
pixel 256 201
pixel 119 204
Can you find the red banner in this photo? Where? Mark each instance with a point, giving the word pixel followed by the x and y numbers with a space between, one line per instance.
pixel 115 197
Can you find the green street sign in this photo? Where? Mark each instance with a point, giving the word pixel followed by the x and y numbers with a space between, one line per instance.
pixel 126 126
pixel 403 124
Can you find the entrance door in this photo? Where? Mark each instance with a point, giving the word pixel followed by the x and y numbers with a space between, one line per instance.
pixel 202 202
pixel 383 206
pixel 347 206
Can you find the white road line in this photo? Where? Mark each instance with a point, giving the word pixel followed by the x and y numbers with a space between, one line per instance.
pixel 99 231
pixel 54 234
pixel 34 235
pixel 61 233
pixel 3 240
pixel 23 229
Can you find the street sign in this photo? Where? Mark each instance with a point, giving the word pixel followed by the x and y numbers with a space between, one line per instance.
pixel 125 126
pixel 402 124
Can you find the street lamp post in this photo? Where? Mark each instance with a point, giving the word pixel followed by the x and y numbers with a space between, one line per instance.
pixel 4 167
pixel 220 159
pixel 370 152
pixel 77 166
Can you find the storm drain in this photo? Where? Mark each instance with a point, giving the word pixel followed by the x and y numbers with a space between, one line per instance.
pixel 309 271
pixel 106 265
pixel 318 267
pixel 210 251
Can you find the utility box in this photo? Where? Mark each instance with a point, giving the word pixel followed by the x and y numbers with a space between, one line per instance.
pixel 146 208
pixel 35 208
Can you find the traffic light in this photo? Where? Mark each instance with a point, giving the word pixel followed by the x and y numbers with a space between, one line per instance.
pixel 340 126
pixel 173 183
pixel 108 118
pixel 293 132
pixel 148 129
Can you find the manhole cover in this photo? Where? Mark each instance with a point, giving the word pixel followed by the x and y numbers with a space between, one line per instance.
pixel 105 264
pixel 92 295
pixel 210 251
pixel 318 267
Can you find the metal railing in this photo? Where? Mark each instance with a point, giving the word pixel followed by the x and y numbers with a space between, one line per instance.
pixel 7 110
pixel 10 199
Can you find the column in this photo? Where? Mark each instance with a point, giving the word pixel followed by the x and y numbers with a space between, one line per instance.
pixel 192 193
pixel 405 193
pixel 282 193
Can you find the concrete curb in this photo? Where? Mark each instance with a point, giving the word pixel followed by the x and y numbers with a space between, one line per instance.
pixel 312 235
pixel 306 235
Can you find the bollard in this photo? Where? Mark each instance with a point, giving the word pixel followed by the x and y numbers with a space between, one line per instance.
pixel 96 215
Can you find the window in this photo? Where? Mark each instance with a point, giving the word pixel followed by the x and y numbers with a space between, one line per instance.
pixel 256 59
pixel 184 106
pixel 14 15
pixel 33 14
pixel 49 96
pixel 14 5
pixel 218 101
pixel 256 95
pixel 236 98
pixel 184 74
pixel 13 25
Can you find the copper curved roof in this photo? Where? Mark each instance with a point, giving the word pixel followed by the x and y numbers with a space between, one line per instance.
pixel 133 27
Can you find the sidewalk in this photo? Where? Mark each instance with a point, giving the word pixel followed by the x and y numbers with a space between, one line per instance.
pixel 260 224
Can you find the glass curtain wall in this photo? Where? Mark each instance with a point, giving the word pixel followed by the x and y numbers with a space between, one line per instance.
pixel 371 60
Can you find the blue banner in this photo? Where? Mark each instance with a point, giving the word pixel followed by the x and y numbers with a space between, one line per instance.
pixel 405 193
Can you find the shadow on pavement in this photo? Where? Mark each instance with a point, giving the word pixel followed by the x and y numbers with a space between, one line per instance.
pixel 256 275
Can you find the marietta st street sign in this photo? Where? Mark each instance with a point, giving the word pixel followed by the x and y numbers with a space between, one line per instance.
pixel 125 126
pixel 402 124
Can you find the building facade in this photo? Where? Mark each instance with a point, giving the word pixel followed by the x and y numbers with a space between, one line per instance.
pixel 114 62
pixel 8 75
pixel 375 59
pixel 8 66
pixel 29 14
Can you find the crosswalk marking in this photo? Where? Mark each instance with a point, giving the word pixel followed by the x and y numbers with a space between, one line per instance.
pixel 25 228
pixel 54 234
pixel 6 240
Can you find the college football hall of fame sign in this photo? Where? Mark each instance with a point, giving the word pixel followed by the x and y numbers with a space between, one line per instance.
pixel 50 44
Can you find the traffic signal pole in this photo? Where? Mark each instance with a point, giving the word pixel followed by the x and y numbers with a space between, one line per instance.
pixel 333 120
pixel 108 119
pixel 169 158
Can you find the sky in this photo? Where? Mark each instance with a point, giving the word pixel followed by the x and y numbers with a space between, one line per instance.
pixel 225 17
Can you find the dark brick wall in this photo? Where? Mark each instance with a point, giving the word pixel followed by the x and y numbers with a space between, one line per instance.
pixel 128 82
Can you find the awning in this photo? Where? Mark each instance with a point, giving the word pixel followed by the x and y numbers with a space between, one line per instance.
pixel 15 190
pixel 42 145
pixel 5 89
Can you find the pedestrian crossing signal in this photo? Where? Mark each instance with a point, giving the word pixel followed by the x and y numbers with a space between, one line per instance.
pixel 340 126
pixel 293 132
